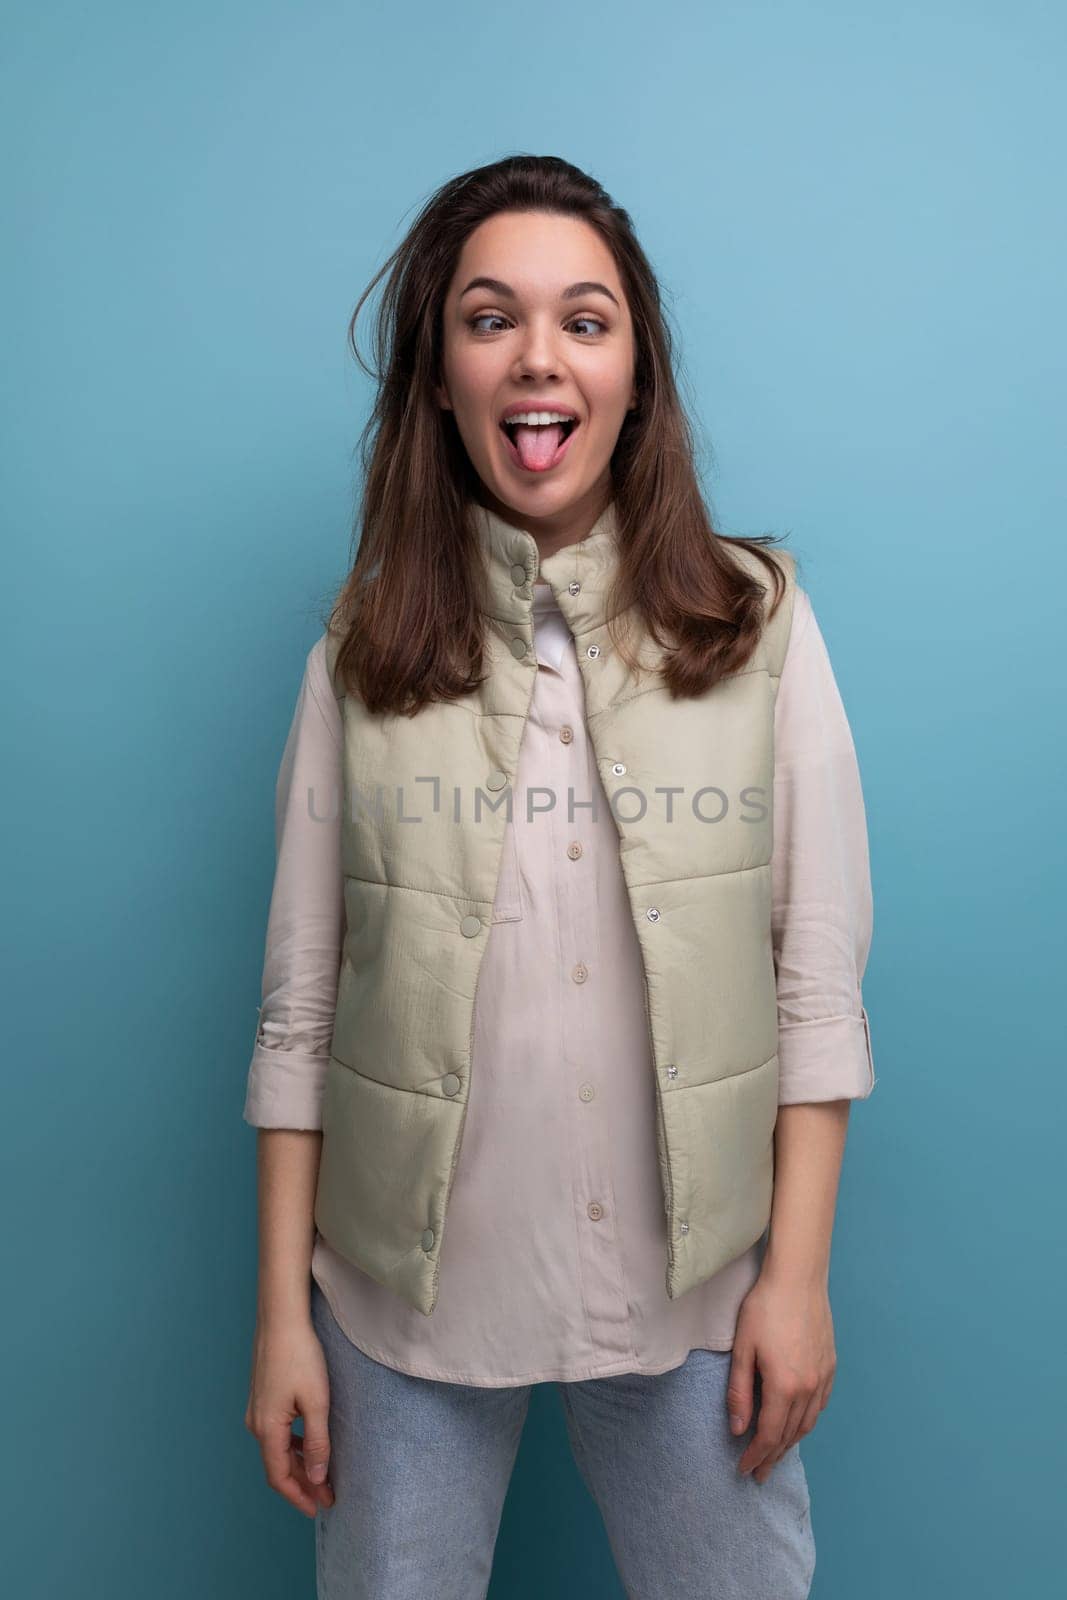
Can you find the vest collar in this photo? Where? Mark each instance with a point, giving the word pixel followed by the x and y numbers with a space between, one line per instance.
pixel 513 562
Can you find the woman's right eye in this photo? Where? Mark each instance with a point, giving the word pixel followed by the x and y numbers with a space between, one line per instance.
pixel 486 316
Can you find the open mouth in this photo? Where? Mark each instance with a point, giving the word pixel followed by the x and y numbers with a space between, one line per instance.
pixel 538 448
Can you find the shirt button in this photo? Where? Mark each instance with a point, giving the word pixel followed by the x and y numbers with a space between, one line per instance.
pixel 427 1238
pixel 450 1083
pixel 470 926
pixel 566 733
pixel 595 1210
pixel 580 972
pixel 518 648
pixel 518 574
pixel 586 1092
pixel 496 779
pixel 574 849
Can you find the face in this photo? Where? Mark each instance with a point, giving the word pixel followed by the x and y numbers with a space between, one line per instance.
pixel 536 319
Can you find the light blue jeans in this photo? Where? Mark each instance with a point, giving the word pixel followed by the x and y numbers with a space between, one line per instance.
pixel 420 1470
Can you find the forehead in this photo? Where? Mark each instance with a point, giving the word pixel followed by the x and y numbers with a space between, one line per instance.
pixel 536 253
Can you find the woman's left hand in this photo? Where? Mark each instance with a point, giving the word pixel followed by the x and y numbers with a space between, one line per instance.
pixel 785 1330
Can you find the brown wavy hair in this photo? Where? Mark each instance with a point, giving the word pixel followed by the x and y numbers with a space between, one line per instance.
pixel 408 613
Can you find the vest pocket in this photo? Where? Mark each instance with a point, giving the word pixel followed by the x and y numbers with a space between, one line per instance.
pixel 507 906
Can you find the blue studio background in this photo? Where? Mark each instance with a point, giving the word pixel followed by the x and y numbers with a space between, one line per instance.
pixel 856 214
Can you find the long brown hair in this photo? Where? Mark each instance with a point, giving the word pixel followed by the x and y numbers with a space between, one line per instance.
pixel 408 613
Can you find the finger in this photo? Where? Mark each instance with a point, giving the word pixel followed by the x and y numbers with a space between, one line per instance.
pixel 774 1408
pixel 789 1438
pixel 316 1441
pixel 739 1388
pixel 802 1421
pixel 320 1494
pixel 278 1463
pixel 811 1414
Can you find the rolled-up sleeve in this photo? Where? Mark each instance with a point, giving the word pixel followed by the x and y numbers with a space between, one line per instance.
pixel 305 926
pixel 822 916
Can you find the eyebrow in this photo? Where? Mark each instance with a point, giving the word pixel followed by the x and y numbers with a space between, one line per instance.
pixel 577 291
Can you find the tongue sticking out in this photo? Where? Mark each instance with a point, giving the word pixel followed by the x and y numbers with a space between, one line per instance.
pixel 537 445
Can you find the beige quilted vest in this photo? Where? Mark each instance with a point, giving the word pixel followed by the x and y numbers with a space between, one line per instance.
pixel 419 898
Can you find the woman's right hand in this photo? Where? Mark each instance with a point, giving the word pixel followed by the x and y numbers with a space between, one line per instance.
pixel 290 1380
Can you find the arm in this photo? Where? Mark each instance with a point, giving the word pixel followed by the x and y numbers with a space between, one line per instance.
pixel 809 1146
pixel 822 924
pixel 284 1095
pixel 288 1168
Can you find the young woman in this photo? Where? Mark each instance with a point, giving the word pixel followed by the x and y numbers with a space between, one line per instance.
pixel 562 1011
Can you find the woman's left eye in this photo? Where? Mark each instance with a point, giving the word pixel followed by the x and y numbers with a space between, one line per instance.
pixel 595 321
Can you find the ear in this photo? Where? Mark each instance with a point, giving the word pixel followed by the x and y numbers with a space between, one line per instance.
pixel 441 396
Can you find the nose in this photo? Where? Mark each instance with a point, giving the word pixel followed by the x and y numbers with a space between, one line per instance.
pixel 539 354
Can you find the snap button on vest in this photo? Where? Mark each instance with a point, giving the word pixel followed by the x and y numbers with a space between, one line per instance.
pixel 496 779
pixel 518 648
pixel 618 768
pixel 427 1238
pixel 574 586
pixel 683 1227
pixel 450 1083
pixel 593 651
pixel 672 1072
pixel 653 914
pixel 470 926
pixel 518 573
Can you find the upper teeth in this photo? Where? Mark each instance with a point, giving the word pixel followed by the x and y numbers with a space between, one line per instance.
pixel 534 419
